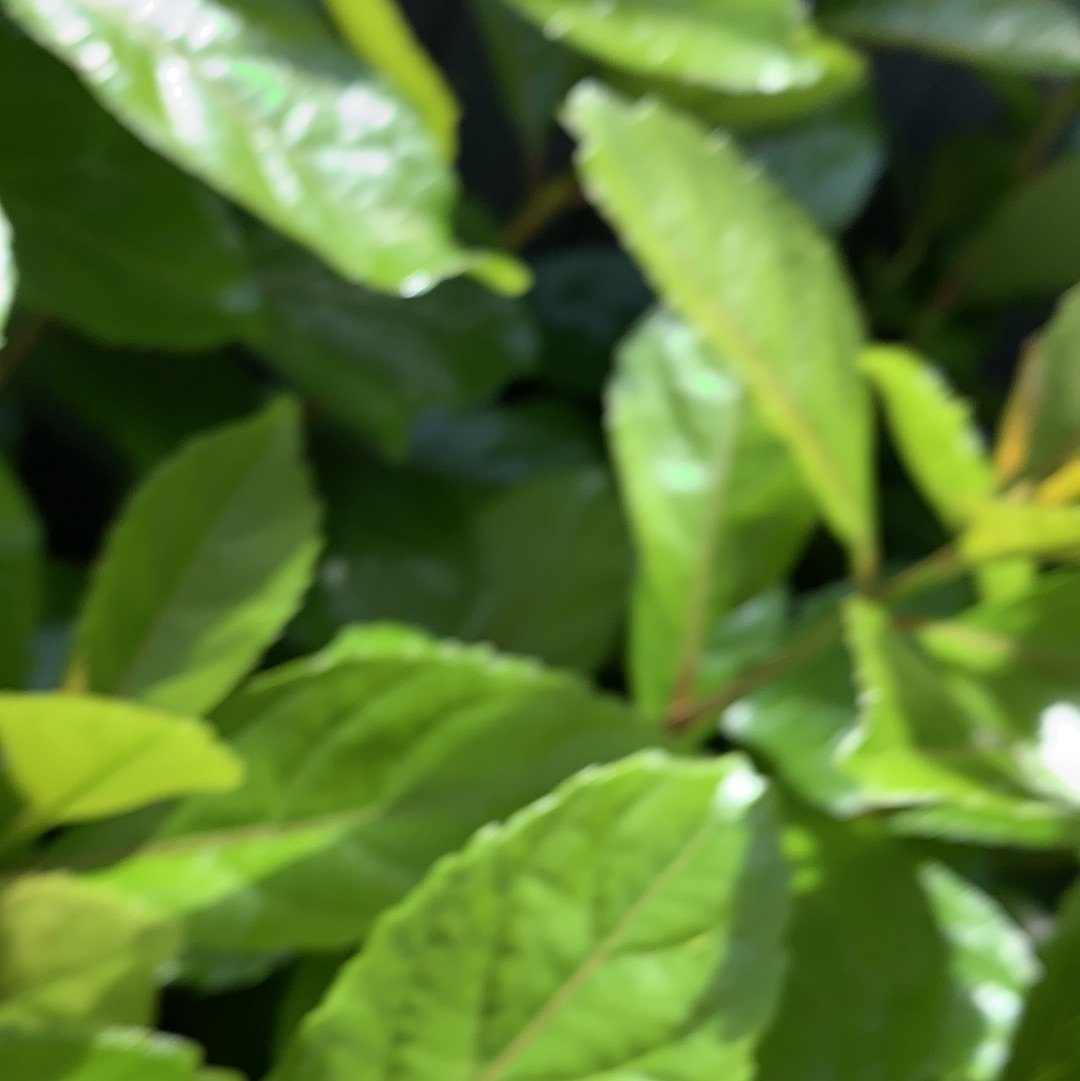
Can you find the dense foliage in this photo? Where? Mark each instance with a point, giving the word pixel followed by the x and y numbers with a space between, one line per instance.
pixel 621 622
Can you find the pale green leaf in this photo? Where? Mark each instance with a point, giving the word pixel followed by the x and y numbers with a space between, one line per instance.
pixel 76 953
pixel 934 432
pixel 761 47
pixel 629 926
pixel 867 976
pixel 365 763
pixel 750 272
pixel 75 758
pixel 1029 246
pixel 167 267
pixel 259 101
pixel 381 36
pixel 115 1054
pixel 1047 1046
pixel 20 573
pixel 7 274
pixel 1041 430
pixel 719 510
pixel 1035 37
pixel 1016 529
pixel 991 964
pixel 203 567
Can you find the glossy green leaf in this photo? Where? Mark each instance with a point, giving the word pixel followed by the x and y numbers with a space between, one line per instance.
pixel 7 273
pixel 866 976
pixel 829 163
pixel 1034 37
pixel 718 508
pixel 934 432
pixel 377 361
pixel 1041 431
pixel 991 965
pixel 109 237
pixel 1010 529
pixel 741 46
pixel 20 575
pixel 200 571
pixel 1047 1046
pixel 631 925
pixel 365 763
pixel 381 36
pixel 753 276
pixel 76 953
pixel 116 1054
pixel 258 101
pixel 1029 247
pixel 76 758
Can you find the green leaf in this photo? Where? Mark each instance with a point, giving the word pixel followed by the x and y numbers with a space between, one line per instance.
pixel 1014 529
pixel 167 266
pixel 1047 1046
pixel 258 101
pixel 20 579
pixel 365 763
pixel 74 952
pixel 7 274
pixel 377 361
pixel 762 47
pixel 1042 427
pixel 829 162
pixel 202 568
pixel 1032 37
pixel 934 432
pixel 381 36
pixel 991 964
pixel 631 925
pixel 118 1054
pixel 1029 247
pixel 77 758
pixel 753 276
pixel 718 508
pixel 866 977
pixel 533 74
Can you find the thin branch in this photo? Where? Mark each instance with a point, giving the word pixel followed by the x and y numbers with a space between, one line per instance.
pixel 549 202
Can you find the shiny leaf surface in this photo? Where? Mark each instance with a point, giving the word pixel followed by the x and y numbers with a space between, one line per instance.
pixel 7 273
pixel 258 101
pixel 718 508
pixel 75 758
pixel 201 570
pixel 746 268
pixel 628 925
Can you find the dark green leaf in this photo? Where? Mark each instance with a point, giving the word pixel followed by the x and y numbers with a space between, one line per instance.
pixel 258 101
pixel 867 977
pixel 110 237
pixel 1047 1046
pixel 934 432
pixel 1035 37
pixel 629 926
pixel 76 758
pixel 378 361
pixel 209 559
pixel 753 276
pixel 20 574
pixel 365 763
pixel 74 952
pixel 748 47
pixel 828 163
pixel 719 510
pixel 991 964
pixel 1029 247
